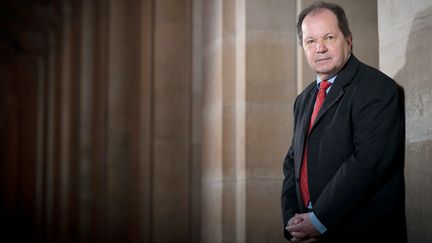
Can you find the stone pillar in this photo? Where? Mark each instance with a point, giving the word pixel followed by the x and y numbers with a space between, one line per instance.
pixel 270 92
pixel 196 114
pixel 50 137
pixel 146 132
pixel 234 123
pixel 212 123
pixel 245 82
pixel 123 82
pixel 91 192
pixel 98 21
pixel 405 37
pixel 62 133
pixel 171 121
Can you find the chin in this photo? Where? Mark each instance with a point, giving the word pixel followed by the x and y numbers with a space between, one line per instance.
pixel 324 70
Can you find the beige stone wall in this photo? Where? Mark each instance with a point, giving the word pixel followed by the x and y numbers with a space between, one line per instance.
pixel 405 31
pixel 166 120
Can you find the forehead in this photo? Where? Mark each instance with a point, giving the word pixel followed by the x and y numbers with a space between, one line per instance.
pixel 320 21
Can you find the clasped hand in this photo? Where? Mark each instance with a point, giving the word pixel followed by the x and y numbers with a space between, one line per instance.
pixel 302 229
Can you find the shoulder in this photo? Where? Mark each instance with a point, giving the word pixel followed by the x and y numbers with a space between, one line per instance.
pixel 305 94
pixel 373 91
pixel 306 91
pixel 373 80
pixel 368 72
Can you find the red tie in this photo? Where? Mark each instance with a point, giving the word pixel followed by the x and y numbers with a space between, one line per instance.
pixel 304 187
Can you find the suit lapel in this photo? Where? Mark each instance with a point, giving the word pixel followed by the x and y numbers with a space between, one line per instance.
pixel 335 94
pixel 310 102
pixel 337 91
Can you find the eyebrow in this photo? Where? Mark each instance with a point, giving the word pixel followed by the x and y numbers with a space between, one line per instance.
pixel 330 34
pixel 310 37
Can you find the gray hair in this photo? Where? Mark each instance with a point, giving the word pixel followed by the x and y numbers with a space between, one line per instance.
pixel 336 9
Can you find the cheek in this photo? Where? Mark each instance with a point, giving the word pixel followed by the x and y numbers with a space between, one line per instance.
pixel 309 56
pixel 336 54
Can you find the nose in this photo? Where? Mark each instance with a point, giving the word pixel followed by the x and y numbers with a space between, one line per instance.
pixel 321 47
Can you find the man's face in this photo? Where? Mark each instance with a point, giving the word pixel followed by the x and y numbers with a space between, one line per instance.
pixel 325 47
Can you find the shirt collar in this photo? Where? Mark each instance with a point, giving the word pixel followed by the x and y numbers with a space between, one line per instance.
pixel 331 80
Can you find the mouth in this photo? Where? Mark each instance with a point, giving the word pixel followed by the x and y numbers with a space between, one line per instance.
pixel 322 59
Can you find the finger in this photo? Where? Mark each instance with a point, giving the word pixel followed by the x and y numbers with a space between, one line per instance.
pixel 310 240
pixel 293 228
pixel 296 227
pixel 295 240
pixel 299 235
pixel 290 228
pixel 295 219
pixel 300 217
pixel 294 222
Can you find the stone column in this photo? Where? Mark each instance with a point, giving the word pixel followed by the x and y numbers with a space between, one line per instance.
pixel 245 86
pixel 270 92
pixel 212 122
pixel 171 121
pixel 90 195
pixel 123 85
pixel 146 133
pixel 98 21
pixel 62 132
pixel 196 115
pixel 234 123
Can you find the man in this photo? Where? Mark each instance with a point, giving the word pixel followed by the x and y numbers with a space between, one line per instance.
pixel 343 173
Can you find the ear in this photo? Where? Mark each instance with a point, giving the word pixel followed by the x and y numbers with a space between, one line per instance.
pixel 349 41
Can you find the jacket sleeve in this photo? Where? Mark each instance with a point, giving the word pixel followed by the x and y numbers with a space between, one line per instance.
pixel 288 195
pixel 378 129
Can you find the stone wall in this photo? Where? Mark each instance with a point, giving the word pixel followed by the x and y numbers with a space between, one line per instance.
pixel 156 120
pixel 405 33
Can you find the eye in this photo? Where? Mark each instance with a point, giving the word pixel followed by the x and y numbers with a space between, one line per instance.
pixel 309 42
pixel 329 37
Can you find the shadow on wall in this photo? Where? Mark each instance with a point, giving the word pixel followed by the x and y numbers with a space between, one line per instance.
pixel 415 77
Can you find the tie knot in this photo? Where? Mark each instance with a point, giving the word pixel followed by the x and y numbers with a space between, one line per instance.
pixel 325 84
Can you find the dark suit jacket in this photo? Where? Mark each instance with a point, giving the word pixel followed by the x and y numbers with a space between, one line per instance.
pixel 355 157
